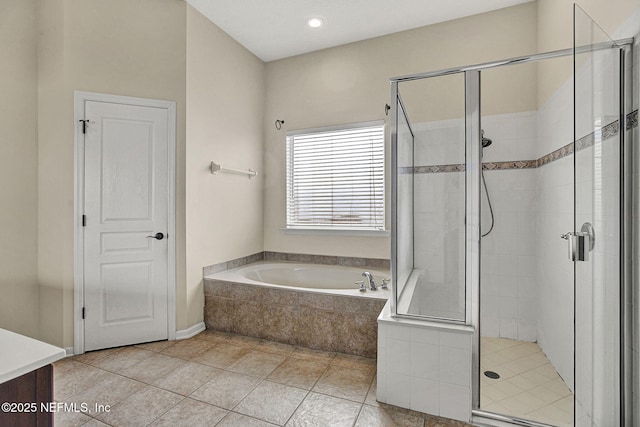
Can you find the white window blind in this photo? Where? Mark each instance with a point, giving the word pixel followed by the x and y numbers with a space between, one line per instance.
pixel 335 178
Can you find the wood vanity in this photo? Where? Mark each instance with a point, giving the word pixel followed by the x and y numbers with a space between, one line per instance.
pixel 26 380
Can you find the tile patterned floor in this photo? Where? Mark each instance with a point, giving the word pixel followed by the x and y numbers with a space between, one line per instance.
pixel 529 386
pixel 225 380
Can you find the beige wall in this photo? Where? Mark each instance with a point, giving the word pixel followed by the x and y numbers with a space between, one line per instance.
pixel 18 167
pixel 555 31
pixel 350 83
pixel 123 47
pixel 225 103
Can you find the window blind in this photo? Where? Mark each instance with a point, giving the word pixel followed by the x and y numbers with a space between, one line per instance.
pixel 335 179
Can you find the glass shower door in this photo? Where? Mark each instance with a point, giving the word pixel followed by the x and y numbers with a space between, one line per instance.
pixel 595 241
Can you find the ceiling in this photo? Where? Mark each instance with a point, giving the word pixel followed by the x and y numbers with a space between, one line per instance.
pixel 275 29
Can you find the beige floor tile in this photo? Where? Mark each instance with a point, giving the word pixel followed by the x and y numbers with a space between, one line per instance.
pixel 504 371
pixel 221 355
pixel 551 415
pixel 307 353
pixel 349 360
pixel 122 359
pixel 497 408
pixel 237 420
pixel 301 373
pixel 213 336
pixel 191 413
pixel 72 377
pixel 345 383
pixel 547 370
pixel 545 393
pixel 226 389
pixel 156 346
pixel 525 349
pixel 256 364
pixel 243 341
pixel 371 416
pixel 141 408
pixel 525 383
pixel 92 356
pixel 565 404
pixel 152 368
pixel 505 342
pixel 523 403
pixel 497 393
pixel 433 421
pixel 535 378
pixel 275 348
pixel 187 349
pixel 558 386
pixel 530 387
pixel 371 395
pixel 523 364
pixel 70 419
pixel 92 423
pixel 271 402
pixel 186 378
pixel 322 410
pixel 109 390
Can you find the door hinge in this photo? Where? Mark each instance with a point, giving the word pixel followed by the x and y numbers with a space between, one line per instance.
pixel 83 312
pixel 84 125
pixel 84 220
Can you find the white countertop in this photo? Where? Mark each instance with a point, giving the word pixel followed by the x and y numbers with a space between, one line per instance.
pixel 20 354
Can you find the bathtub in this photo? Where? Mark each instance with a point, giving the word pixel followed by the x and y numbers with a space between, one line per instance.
pixel 311 305
pixel 327 279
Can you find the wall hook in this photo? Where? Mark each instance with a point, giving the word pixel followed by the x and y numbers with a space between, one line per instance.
pixel 387 107
pixel 279 124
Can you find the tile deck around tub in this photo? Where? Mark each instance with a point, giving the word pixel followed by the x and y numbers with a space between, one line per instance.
pixel 219 379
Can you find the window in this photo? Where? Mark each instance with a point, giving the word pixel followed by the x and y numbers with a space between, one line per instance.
pixel 335 178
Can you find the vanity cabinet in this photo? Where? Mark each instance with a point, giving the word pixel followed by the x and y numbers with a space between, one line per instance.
pixel 26 380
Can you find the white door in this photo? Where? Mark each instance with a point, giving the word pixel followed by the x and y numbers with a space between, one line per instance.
pixel 125 224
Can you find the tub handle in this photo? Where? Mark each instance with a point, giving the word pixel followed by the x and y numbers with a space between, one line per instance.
pixel 363 288
pixel 385 283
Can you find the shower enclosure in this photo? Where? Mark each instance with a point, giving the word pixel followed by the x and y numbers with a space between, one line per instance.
pixel 546 286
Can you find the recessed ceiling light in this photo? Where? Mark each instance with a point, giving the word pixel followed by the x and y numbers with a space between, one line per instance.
pixel 315 22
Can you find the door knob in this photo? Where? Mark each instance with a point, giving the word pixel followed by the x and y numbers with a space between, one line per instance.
pixel 157 236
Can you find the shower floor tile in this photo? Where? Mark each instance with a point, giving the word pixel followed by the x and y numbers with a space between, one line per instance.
pixel 529 386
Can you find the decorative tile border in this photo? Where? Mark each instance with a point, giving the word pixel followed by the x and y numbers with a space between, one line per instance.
pixel 518 164
pixel 378 263
pixel 608 131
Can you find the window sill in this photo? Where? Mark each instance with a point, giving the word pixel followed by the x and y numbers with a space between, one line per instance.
pixel 337 232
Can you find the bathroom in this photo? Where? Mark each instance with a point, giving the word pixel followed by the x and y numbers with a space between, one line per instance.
pixel 227 101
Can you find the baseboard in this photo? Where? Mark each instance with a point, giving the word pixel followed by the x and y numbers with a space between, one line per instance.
pixel 68 351
pixel 190 332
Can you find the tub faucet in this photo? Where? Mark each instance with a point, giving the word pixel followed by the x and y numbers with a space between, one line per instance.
pixel 372 283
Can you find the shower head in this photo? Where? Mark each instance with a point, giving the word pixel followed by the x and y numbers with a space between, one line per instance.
pixel 485 141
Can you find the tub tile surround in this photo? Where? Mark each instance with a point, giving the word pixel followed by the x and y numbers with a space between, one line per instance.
pixel 324 322
pixel 424 367
pixel 377 263
pixel 285 385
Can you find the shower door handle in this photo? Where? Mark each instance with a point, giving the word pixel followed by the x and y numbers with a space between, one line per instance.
pixel 580 243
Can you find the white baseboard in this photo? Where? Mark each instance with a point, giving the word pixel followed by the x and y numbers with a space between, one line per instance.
pixel 190 332
pixel 69 351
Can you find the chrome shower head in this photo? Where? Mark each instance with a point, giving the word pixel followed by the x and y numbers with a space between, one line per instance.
pixel 485 141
